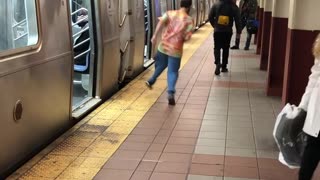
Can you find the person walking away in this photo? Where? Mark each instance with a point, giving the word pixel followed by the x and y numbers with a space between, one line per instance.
pixel 178 29
pixel 248 10
pixel 221 17
pixel 310 102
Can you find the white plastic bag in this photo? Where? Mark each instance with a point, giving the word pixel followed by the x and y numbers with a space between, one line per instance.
pixel 289 136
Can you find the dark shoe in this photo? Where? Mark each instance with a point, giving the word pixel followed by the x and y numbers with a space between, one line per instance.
pixel 148 85
pixel 217 71
pixel 224 69
pixel 246 49
pixel 171 100
pixel 234 47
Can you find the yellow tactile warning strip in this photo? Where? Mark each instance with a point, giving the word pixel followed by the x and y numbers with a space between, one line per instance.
pixel 82 151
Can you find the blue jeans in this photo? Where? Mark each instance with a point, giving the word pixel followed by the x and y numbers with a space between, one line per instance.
pixel 162 61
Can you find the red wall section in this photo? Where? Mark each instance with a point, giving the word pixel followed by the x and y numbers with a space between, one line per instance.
pixel 277 54
pixel 265 40
pixel 298 62
pixel 259 37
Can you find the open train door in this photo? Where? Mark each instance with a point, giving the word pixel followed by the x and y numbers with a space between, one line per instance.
pixel 148 27
pixel 84 56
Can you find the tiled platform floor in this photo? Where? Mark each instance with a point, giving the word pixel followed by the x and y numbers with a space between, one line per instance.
pixel 220 129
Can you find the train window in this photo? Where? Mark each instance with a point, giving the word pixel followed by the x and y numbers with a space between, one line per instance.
pixel 19 26
pixel 164 6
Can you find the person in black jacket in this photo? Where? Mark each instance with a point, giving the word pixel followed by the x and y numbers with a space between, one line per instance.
pixel 221 17
pixel 248 10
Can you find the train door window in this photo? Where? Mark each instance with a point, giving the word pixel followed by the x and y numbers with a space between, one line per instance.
pixel 83 48
pixel 19 28
pixel 164 6
pixel 148 30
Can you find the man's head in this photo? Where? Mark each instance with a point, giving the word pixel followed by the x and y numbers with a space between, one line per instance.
pixel 83 17
pixel 186 4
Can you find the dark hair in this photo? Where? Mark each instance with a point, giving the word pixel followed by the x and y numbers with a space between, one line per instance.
pixel 185 3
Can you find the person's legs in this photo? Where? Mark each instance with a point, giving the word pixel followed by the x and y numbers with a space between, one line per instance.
pixel 310 159
pixel 249 36
pixel 237 41
pixel 225 55
pixel 218 44
pixel 161 62
pixel 173 74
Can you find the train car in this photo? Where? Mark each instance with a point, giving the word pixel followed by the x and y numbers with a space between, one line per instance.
pixel 36 68
pixel 60 59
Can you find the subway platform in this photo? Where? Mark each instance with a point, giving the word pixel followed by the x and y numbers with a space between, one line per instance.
pixel 220 129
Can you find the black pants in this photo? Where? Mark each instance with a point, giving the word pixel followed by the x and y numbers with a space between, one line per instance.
pixel 310 158
pixel 222 41
pixel 248 41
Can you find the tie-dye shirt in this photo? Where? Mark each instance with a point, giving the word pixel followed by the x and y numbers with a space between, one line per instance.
pixel 179 28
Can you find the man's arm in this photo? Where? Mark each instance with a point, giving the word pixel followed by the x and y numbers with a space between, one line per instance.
pixel 162 22
pixel 237 19
pixel 212 15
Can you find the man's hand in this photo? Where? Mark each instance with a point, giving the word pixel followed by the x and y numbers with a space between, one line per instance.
pixel 153 40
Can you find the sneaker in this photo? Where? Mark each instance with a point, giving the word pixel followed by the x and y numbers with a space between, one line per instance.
pixel 224 69
pixel 171 100
pixel 148 85
pixel 246 49
pixel 234 47
pixel 217 71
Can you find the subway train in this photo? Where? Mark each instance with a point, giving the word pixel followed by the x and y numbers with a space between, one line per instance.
pixel 60 59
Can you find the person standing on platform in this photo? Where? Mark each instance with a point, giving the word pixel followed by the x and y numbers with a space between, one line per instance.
pixel 178 29
pixel 310 102
pixel 248 10
pixel 221 17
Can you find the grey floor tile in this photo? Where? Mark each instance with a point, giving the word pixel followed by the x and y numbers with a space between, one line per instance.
pixel 210 150
pixel 231 178
pixel 239 112
pixel 241 137
pixel 238 98
pixel 215 111
pixel 199 177
pixel 239 103
pixel 240 130
pixel 241 152
pixel 238 91
pixel 239 118
pixel 212 135
pixel 231 143
pixel 218 97
pixel 216 107
pixel 262 109
pixel 215 117
pixel 245 124
pixel 211 142
pixel 258 116
pixel 206 122
pixel 213 128
pixel 236 136
pixel 268 154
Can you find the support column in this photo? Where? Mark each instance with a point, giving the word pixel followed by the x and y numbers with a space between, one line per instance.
pixel 259 36
pixel 277 50
pixel 266 34
pixel 303 29
pixel 257 17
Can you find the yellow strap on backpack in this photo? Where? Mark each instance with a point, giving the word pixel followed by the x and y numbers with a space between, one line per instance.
pixel 223 20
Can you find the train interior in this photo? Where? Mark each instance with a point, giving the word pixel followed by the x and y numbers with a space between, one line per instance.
pixel 83 48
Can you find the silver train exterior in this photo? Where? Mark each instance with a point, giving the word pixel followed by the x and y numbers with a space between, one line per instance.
pixel 39 76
